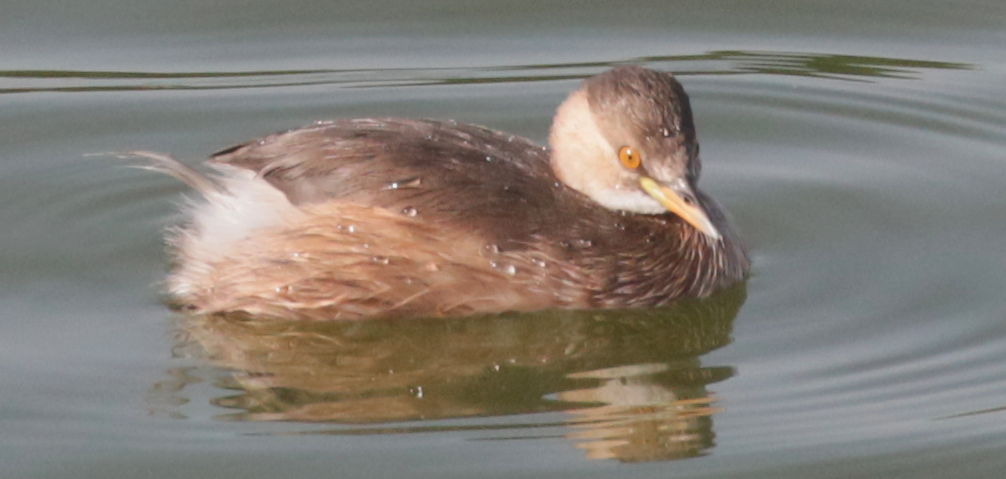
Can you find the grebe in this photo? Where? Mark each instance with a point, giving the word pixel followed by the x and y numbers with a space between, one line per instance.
pixel 390 217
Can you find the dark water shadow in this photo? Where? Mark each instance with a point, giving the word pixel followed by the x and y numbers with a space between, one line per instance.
pixel 733 62
pixel 631 382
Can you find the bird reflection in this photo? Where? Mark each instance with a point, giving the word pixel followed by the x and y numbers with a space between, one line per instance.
pixel 644 416
pixel 630 383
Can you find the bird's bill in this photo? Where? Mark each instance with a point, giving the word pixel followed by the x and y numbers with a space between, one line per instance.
pixel 673 198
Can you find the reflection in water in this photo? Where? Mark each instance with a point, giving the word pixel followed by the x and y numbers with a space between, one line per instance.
pixel 631 380
pixel 644 416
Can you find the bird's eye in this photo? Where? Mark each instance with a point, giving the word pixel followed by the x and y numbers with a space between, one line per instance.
pixel 629 157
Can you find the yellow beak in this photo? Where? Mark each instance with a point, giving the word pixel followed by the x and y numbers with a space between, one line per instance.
pixel 673 198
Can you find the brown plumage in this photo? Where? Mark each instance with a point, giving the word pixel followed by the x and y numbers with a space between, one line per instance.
pixel 393 217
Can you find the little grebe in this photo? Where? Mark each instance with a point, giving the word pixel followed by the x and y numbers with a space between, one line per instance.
pixel 392 217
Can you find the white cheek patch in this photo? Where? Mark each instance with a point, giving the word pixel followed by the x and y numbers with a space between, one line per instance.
pixel 588 163
pixel 635 201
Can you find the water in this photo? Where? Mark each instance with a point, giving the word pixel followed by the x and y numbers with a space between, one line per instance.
pixel 859 146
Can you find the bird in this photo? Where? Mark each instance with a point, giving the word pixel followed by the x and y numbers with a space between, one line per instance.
pixel 395 218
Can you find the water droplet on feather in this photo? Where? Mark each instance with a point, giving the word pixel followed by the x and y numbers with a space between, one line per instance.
pixel 407 183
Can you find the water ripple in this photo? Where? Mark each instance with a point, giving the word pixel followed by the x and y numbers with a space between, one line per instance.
pixel 846 67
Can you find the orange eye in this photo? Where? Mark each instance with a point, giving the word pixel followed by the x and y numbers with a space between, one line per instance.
pixel 629 157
